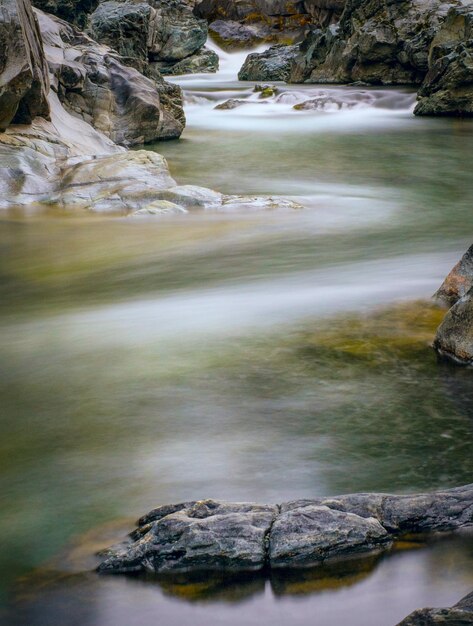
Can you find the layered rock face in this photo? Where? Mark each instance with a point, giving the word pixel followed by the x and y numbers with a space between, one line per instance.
pixel 94 84
pixel 461 614
pixel 454 338
pixel 211 535
pixel 273 64
pixel 24 82
pixel 377 42
pixel 162 33
pixel 448 86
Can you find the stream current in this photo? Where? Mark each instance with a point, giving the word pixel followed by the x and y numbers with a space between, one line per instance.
pixel 260 356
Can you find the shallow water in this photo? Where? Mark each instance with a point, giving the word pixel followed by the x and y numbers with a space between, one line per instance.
pixel 237 356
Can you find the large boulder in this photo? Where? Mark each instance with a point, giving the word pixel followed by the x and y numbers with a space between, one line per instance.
pixel 377 41
pixel 24 82
pixel 164 32
pixel 461 614
pixel 272 64
pixel 448 86
pixel 214 535
pixel 94 84
pixel 454 338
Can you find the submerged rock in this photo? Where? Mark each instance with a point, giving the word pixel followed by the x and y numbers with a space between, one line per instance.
pixel 214 535
pixel 461 614
pixel 273 64
pixel 232 103
pixel 24 82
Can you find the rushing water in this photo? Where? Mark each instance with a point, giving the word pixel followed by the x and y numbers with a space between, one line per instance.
pixel 241 357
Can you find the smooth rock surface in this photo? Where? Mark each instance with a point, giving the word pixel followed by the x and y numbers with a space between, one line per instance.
pixel 24 82
pixel 94 84
pixel 272 64
pixel 461 614
pixel 301 533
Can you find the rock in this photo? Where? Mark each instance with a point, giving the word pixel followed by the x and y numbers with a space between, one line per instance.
pixel 208 535
pixel 377 42
pixel 273 64
pixel 461 614
pixel 94 84
pixel 256 203
pixel 458 282
pixel 266 91
pixel 163 32
pixel 24 82
pixel 215 535
pixel 204 61
pixel 232 35
pixel 448 85
pixel 454 338
pixel 312 535
pixel 73 11
pixel 228 105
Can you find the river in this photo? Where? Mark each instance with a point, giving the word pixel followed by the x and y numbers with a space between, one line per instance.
pixel 255 356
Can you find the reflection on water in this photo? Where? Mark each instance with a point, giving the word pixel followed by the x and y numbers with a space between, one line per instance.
pixel 373 592
pixel 241 357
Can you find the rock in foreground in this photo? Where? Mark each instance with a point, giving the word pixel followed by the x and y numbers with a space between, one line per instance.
pixel 211 535
pixel 461 614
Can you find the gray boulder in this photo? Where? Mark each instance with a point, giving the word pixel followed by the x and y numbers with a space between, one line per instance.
pixel 313 534
pixel 272 64
pixel 164 32
pixel 94 84
pixel 448 85
pixel 215 535
pixel 24 82
pixel 461 614
pixel 203 61
pixel 377 42
pixel 206 536
pixel 454 338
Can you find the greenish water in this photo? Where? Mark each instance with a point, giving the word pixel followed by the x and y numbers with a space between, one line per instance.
pixel 244 357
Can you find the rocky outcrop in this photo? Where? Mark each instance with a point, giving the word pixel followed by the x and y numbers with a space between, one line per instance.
pixel 161 32
pixel 94 84
pixel 377 42
pixel 448 86
pixel 214 535
pixel 273 64
pixel 461 614
pixel 24 82
pixel 204 61
pixel 458 282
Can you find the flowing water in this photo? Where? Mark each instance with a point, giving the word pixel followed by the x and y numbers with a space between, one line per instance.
pixel 256 356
